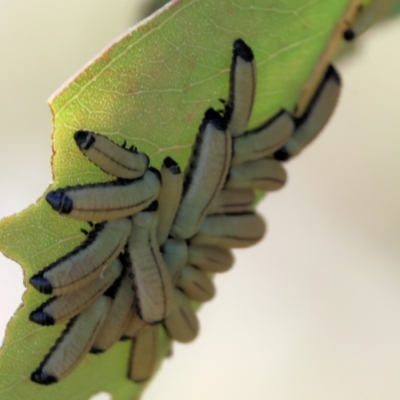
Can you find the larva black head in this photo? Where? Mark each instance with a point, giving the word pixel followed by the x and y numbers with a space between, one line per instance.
pixel 349 35
pixel 95 350
pixel 172 165
pixel 282 154
pixel 332 74
pixel 152 207
pixel 240 49
pixel 84 139
pixel 41 284
pixel 213 117
pixel 41 377
pixel 59 201
pixel 42 318
pixel 156 172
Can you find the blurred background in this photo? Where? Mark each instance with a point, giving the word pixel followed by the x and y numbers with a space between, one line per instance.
pixel 312 312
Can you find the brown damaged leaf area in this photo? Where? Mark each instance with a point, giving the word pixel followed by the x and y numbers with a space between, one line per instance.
pixel 151 89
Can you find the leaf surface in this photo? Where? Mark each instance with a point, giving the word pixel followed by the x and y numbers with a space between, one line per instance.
pixel 151 89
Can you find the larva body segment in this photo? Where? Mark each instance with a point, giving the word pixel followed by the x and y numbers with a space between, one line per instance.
pixel 182 324
pixel 230 230
pixel 153 285
pixel 210 258
pixel 175 254
pixel 266 174
pixel 232 201
pixel 118 316
pixel 73 344
pixel 317 114
pixel 105 201
pixel 86 262
pixel 110 157
pixel 205 176
pixel 264 140
pixel 59 309
pixel 144 351
pixel 196 284
pixel 169 198
pixel 242 88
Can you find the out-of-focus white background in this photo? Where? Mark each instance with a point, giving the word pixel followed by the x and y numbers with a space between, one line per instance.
pixel 312 312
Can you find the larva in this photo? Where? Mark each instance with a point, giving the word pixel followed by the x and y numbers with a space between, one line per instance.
pixel 62 308
pixel 196 284
pixel 104 201
pixel 86 262
pixel 264 140
pixel 230 230
pixel 111 158
pixel 242 88
pixel 182 324
pixel 144 351
pixel 175 255
pixel 266 174
pixel 205 176
pixel 210 258
pixel 169 198
pixel 153 285
pixel 317 114
pixel 118 316
pixel 232 201
pixel 73 344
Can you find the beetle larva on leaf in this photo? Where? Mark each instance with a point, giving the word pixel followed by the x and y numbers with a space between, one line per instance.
pixel 110 200
pixel 175 255
pixel 169 198
pixel 264 140
pixel 196 284
pixel 153 285
pixel 210 258
pixel 317 114
pixel 72 345
pixel 111 158
pixel 118 315
pixel 205 176
pixel 144 352
pixel 62 308
pixel 242 88
pixel 182 324
pixel 86 262
pixel 266 174
pixel 230 230
pixel 232 201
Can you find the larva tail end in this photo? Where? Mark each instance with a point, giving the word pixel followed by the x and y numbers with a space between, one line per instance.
pixel 41 284
pixel 282 155
pixel 42 378
pixel 42 318
pixel 240 49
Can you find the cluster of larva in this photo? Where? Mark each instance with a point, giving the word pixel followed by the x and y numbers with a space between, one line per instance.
pixel 161 234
